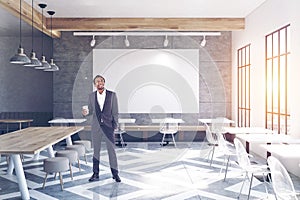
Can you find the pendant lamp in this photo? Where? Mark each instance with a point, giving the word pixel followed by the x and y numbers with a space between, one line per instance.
pixel 54 67
pixel 34 61
pixel 20 57
pixel 45 64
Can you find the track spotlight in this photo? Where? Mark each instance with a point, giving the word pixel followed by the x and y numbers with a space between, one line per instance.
pixel 93 41
pixel 166 41
pixel 126 41
pixel 203 42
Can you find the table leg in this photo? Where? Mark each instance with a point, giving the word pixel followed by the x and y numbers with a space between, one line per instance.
pixel 20 176
pixel 247 146
pixel 36 156
pixel 69 141
pixel 268 153
pixel 50 151
pixel 11 166
pixel 145 135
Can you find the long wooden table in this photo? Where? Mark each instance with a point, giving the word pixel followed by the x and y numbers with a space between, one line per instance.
pixel 31 140
pixel 15 121
pixel 145 129
pixel 66 122
pixel 262 138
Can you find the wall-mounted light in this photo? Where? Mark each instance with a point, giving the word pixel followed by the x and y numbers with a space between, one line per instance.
pixel 126 41
pixel 166 41
pixel 203 42
pixel 93 41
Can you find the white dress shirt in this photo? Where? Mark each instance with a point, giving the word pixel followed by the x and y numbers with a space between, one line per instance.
pixel 101 98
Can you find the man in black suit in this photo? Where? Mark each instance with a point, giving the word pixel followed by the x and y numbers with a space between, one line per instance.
pixel 103 106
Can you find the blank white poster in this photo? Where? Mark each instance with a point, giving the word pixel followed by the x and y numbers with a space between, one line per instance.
pixel 151 80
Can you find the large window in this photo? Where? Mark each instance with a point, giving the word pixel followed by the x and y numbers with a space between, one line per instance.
pixel 277 76
pixel 244 86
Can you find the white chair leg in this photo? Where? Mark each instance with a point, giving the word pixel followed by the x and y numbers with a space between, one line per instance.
pixel 122 141
pixel 163 138
pixel 212 154
pixel 250 186
pixel 173 140
pixel 242 186
pixel 226 167
pixel 265 184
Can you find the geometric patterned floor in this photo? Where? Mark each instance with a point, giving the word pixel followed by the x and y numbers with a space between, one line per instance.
pixel 148 172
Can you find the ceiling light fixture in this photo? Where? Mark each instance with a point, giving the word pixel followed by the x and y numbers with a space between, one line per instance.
pixel 34 61
pixel 126 41
pixel 203 42
pixel 93 41
pixel 166 41
pixel 20 57
pixel 54 67
pixel 45 64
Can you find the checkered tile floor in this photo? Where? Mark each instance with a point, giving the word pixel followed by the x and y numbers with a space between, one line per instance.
pixel 148 172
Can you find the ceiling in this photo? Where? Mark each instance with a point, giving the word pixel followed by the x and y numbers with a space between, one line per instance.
pixel 125 9
pixel 151 8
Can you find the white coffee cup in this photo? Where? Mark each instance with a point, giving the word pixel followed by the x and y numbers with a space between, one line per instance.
pixel 85 108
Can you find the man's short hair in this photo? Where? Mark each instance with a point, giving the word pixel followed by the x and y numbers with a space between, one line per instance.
pixel 99 76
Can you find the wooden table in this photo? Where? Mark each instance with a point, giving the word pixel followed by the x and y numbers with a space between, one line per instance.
pixel 283 150
pixel 66 122
pixel 262 138
pixel 122 122
pixel 223 122
pixel 248 130
pixel 15 121
pixel 210 121
pixel 31 140
pixel 145 129
pixel 167 120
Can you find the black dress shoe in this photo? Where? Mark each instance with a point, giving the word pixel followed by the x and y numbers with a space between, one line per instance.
pixel 117 178
pixel 95 177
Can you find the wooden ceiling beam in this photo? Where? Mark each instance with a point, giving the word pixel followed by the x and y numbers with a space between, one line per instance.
pixel 120 24
pixel 13 6
pixel 127 24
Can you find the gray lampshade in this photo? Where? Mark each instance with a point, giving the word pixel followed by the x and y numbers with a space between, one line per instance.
pixel 20 58
pixel 34 61
pixel 45 64
pixel 53 68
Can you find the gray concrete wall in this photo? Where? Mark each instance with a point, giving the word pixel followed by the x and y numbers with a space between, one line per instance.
pixel 24 89
pixel 74 80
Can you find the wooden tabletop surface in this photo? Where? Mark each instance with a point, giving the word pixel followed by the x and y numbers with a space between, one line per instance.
pixel 15 120
pixel 157 128
pixel 66 121
pixel 34 139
